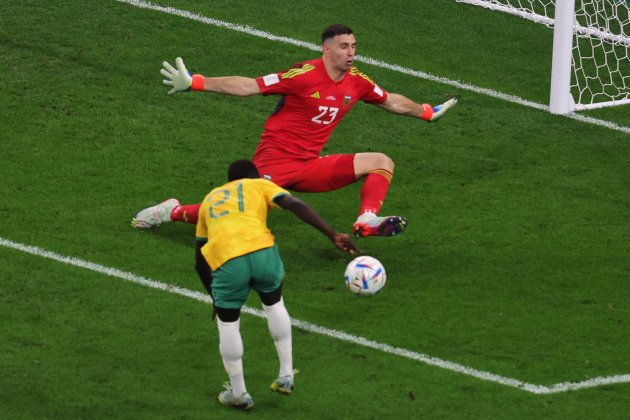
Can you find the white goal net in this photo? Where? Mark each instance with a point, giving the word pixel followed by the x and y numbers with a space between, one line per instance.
pixel 599 43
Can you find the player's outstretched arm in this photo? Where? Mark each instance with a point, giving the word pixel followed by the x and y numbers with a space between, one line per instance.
pixel 399 104
pixel 310 216
pixel 439 110
pixel 182 81
pixel 178 78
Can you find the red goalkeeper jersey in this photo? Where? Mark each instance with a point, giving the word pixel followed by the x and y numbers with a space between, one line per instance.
pixel 311 106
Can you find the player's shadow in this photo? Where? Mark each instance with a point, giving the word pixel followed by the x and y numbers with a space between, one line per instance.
pixel 315 256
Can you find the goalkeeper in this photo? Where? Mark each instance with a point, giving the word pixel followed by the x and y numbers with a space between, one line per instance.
pixel 314 96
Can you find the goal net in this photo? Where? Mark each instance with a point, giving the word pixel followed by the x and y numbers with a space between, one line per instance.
pixel 591 50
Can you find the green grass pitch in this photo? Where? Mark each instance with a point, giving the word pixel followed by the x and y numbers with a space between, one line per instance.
pixel 516 261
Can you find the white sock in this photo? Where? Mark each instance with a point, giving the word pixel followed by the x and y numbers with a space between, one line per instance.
pixel 279 324
pixel 365 217
pixel 231 348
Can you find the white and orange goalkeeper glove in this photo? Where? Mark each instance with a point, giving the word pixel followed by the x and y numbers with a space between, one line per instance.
pixel 433 113
pixel 179 78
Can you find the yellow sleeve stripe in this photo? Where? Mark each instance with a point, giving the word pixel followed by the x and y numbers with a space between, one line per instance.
pixel 355 72
pixel 296 72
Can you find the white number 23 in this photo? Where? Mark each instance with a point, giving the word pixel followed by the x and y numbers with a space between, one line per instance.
pixel 327 113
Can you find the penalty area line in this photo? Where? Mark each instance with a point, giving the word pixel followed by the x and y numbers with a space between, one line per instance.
pixel 315 329
pixel 371 61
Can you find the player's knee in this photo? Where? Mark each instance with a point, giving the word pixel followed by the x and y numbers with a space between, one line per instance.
pixel 228 314
pixel 369 162
pixel 269 299
pixel 382 161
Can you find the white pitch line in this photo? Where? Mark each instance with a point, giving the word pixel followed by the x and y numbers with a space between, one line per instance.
pixel 371 61
pixel 339 335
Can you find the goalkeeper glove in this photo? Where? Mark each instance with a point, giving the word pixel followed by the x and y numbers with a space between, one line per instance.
pixel 179 78
pixel 433 113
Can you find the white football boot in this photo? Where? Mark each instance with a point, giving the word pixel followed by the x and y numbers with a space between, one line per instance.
pixel 242 402
pixel 283 385
pixel 369 224
pixel 155 215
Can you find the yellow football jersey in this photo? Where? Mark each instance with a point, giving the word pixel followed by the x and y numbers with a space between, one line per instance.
pixel 233 218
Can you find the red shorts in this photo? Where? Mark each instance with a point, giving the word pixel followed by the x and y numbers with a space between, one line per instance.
pixel 320 174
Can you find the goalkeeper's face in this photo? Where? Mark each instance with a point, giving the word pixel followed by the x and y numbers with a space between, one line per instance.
pixel 340 51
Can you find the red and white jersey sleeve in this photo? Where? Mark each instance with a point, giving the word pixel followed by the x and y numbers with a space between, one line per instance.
pixel 311 106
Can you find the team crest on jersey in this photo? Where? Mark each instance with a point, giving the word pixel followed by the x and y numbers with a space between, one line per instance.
pixel 346 100
pixel 315 95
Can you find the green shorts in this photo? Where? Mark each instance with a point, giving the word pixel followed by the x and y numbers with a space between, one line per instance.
pixel 262 270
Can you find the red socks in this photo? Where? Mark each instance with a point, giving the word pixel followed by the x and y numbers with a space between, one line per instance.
pixel 374 190
pixel 188 214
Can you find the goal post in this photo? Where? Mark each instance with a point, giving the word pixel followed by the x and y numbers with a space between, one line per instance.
pixel 560 98
pixel 591 49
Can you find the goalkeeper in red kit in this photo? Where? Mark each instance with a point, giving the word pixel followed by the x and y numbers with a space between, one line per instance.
pixel 314 96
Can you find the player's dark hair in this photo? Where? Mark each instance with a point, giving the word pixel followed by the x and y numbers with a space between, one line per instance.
pixel 242 169
pixel 334 30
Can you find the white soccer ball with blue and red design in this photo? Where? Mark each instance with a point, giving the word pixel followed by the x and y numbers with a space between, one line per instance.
pixel 365 276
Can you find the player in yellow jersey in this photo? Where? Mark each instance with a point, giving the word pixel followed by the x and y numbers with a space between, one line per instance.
pixel 237 252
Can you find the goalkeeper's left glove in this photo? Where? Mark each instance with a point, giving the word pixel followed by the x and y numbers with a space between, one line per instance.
pixel 179 78
pixel 433 113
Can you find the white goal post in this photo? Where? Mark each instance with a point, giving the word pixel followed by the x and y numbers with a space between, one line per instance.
pixel 591 49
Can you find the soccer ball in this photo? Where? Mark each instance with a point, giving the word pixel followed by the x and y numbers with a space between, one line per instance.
pixel 365 276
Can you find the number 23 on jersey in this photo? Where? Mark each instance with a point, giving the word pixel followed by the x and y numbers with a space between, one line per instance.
pixel 327 114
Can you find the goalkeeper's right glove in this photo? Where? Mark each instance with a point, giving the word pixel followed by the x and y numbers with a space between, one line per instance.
pixel 433 113
pixel 179 78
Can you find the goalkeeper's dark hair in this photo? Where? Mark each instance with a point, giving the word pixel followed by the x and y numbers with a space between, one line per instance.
pixel 242 169
pixel 334 30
